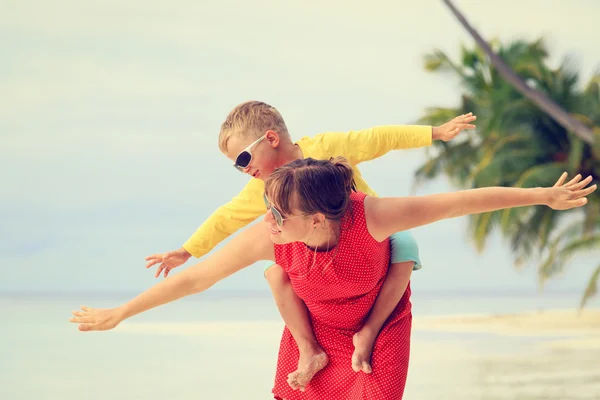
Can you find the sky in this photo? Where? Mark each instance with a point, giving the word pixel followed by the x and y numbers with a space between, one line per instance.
pixel 110 113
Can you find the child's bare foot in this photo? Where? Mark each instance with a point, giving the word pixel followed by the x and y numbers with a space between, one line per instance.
pixel 363 342
pixel 309 364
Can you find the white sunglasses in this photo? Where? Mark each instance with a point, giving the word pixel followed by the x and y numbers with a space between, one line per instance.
pixel 245 157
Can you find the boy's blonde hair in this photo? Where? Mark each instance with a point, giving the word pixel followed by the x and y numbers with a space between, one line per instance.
pixel 252 118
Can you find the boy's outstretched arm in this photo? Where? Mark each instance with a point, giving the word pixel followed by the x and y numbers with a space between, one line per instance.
pixel 368 144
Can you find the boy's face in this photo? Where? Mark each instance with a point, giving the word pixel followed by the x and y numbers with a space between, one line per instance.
pixel 264 154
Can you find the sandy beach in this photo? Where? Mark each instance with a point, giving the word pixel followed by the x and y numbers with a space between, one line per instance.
pixel 582 330
pixel 535 323
pixel 539 355
pixel 558 328
pixel 199 349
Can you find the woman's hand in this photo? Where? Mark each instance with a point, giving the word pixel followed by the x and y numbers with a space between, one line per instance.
pixel 96 319
pixel 564 196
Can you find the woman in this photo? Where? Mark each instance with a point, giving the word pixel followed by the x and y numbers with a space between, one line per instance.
pixel 333 242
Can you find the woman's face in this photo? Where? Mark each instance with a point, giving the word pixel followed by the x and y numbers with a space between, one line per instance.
pixel 295 227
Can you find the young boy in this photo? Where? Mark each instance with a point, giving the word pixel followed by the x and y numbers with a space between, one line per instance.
pixel 255 137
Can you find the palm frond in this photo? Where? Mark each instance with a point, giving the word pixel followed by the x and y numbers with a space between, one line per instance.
pixel 585 243
pixel 438 61
pixel 559 257
pixel 591 289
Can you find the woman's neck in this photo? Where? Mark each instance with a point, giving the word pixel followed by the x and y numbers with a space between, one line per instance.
pixel 325 238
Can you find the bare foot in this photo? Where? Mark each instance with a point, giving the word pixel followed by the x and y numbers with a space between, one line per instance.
pixel 363 342
pixel 309 364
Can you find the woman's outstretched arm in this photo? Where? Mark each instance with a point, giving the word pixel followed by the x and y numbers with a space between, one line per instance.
pixel 386 216
pixel 251 245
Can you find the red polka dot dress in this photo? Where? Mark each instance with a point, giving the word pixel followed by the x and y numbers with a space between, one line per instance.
pixel 339 288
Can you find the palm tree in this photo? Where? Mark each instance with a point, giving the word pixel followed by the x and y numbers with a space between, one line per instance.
pixel 518 144
pixel 536 96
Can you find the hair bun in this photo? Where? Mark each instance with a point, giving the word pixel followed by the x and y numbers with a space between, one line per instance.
pixel 345 171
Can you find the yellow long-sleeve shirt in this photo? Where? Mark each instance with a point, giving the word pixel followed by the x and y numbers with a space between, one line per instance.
pixel 356 146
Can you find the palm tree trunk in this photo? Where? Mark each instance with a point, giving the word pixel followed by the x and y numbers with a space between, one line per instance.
pixel 537 97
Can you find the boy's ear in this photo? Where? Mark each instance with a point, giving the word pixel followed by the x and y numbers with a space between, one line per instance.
pixel 273 138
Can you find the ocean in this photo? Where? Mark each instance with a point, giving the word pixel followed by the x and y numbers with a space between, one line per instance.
pixel 224 346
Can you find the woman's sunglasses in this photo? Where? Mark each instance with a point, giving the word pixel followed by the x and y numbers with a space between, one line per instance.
pixel 276 214
pixel 245 157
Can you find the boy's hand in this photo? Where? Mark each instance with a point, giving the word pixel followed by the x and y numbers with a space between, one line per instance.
pixel 450 129
pixel 169 260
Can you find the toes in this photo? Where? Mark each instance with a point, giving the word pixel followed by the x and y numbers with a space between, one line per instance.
pixel 366 367
pixel 356 364
pixel 293 381
pixel 302 379
pixel 299 379
pixel 360 363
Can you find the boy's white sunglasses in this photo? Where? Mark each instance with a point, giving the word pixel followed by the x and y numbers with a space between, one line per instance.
pixel 245 157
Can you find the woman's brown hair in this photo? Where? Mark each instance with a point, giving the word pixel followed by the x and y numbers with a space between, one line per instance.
pixel 312 186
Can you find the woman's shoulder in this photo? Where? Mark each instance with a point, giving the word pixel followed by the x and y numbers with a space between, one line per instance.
pixel 358 196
